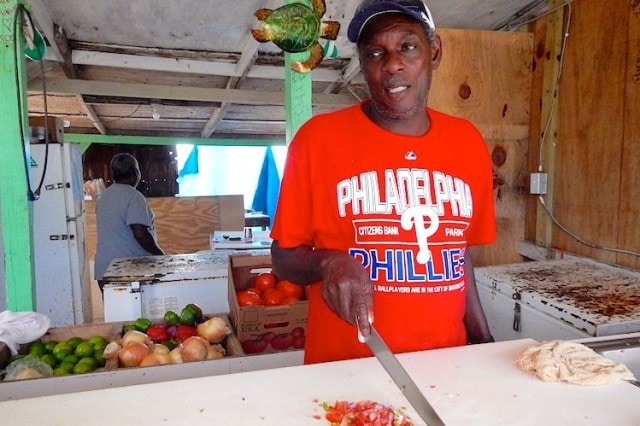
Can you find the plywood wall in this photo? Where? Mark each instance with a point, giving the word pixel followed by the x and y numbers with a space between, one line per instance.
pixel 183 224
pixel 490 84
pixel 596 182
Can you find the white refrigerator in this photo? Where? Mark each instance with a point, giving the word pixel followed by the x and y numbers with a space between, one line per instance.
pixel 59 235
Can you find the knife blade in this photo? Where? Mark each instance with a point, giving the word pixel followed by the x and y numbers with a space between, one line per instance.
pixel 402 379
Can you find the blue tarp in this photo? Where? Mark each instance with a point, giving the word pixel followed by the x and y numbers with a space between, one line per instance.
pixel 266 196
pixel 190 167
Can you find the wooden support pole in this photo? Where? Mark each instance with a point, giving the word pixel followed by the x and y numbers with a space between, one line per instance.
pixel 548 121
pixel 297 89
pixel 16 211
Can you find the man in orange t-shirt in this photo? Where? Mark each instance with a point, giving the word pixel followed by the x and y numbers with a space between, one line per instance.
pixel 380 201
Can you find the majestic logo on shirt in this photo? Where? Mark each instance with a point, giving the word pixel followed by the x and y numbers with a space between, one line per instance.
pixel 409 227
pixel 410 155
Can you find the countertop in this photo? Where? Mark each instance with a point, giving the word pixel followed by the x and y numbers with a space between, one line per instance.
pixel 471 385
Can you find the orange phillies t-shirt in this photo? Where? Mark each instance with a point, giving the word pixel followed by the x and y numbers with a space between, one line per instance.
pixel 405 206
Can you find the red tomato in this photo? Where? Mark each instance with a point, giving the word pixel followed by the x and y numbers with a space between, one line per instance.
pixel 290 289
pixel 273 297
pixel 254 290
pixel 264 281
pixel 249 298
pixel 290 300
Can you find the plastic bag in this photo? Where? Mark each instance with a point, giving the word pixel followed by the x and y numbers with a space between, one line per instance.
pixel 17 328
pixel 27 368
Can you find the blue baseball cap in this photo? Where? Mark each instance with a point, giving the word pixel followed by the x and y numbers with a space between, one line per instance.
pixel 368 9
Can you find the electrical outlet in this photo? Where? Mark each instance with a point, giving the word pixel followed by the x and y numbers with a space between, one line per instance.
pixel 538 183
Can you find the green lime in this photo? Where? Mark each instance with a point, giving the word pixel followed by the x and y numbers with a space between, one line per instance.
pixel 89 360
pixel 74 341
pixel 61 350
pixel 50 345
pixel 97 341
pixel 68 366
pixel 187 317
pixel 83 367
pixel 100 361
pixel 99 348
pixel 171 318
pixel 73 359
pixel 37 349
pixel 50 360
pixel 59 371
pixel 84 349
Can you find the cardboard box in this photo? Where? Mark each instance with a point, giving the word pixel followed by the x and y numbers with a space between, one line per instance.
pixel 263 329
pixel 107 330
pixel 54 125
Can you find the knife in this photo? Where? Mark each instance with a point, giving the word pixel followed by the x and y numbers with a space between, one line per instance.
pixel 402 379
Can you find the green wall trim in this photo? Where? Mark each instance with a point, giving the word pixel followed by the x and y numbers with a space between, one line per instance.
pixel 16 211
pixel 297 90
pixel 164 140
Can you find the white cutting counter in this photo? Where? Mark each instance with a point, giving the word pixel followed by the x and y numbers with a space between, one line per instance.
pixel 472 385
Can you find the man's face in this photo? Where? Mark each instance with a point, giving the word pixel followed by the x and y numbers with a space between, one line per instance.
pixel 397 62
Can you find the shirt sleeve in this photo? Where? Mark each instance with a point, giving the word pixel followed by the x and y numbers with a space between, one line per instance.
pixel 138 211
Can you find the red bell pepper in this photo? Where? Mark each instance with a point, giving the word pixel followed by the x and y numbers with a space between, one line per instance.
pixel 183 332
pixel 158 333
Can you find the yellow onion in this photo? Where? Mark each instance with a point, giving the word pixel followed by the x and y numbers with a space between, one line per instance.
pixel 194 348
pixel 215 351
pixel 214 330
pixel 135 336
pixel 159 348
pixel 176 355
pixel 111 350
pixel 156 358
pixel 133 353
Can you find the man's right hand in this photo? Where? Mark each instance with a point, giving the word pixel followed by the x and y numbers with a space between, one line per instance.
pixel 348 290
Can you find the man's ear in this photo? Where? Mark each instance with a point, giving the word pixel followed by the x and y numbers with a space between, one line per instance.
pixel 436 52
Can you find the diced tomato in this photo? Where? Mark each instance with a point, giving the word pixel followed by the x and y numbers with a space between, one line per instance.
pixel 364 413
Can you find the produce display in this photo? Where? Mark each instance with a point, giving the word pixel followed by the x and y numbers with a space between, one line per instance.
pixel 364 413
pixel 186 337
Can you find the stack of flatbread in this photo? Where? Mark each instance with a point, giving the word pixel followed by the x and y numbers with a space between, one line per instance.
pixel 571 362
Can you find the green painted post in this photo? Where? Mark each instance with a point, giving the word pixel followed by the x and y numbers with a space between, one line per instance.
pixel 297 89
pixel 16 213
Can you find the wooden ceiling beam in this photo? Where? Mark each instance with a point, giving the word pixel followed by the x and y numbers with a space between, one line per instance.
pixel 244 64
pixel 70 70
pixel 158 91
pixel 189 66
pixel 348 73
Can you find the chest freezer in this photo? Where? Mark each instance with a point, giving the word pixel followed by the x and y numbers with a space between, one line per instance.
pixel 152 285
pixel 559 299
